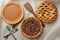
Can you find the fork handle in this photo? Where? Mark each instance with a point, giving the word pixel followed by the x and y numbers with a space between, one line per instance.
pixel 14 37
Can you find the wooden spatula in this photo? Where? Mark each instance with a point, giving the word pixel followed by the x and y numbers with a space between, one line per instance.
pixel 30 9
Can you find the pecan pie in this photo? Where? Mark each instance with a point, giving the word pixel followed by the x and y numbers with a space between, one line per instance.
pixel 31 27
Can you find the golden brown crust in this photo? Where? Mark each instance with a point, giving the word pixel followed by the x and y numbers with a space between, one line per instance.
pixel 41 28
pixel 47 11
pixel 18 18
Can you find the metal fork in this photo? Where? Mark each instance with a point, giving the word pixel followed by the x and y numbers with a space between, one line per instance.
pixel 11 32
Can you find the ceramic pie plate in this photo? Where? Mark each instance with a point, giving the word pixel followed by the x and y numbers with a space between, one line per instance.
pixel 18 35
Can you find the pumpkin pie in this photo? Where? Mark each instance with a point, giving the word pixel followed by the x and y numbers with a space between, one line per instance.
pixel 12 13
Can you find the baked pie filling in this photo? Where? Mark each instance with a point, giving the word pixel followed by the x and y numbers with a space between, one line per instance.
pixel 31 26
pixel 12 12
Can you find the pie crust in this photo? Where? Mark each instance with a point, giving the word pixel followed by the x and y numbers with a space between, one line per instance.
pixel 31 27
pixel 15 11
